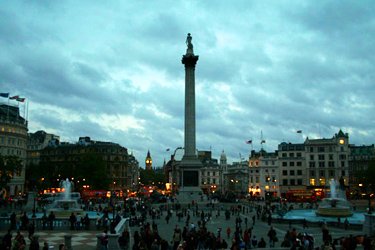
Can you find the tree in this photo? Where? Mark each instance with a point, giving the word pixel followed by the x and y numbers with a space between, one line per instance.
pixel 92 168
pixel 367 176
pixel 151 177
pixel 9 166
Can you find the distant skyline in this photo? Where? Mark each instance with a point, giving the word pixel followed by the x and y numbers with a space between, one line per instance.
pixel 112 71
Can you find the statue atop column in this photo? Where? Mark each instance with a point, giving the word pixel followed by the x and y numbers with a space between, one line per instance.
pixel 189 50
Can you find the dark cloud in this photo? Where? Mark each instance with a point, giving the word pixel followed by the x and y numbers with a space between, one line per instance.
pixel 113 71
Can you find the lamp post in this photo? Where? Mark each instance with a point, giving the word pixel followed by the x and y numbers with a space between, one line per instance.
pixel 34 201
pixel 34 215
pixel 369 199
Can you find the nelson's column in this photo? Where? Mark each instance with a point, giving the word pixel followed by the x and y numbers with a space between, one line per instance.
pixel 190 164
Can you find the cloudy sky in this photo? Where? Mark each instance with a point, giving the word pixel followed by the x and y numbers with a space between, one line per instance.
pixel 112 70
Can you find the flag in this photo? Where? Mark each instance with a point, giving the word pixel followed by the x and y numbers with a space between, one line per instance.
pixel 167 149
pixel 299 131
pixel 6 95
pixel 19 99
pixel 263 141
pixel 14 97
pixel 249 142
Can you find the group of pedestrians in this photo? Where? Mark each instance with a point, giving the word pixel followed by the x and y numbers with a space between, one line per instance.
pixel 193 234
pixel 18 242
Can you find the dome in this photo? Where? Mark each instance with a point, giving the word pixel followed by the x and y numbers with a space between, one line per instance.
pixel 223 156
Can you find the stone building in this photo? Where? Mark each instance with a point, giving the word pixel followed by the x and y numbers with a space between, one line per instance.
pixel 13 142
pixel 327 159
pixel 210 172
pixel 236 178
pixel 292 167
pixel 36 142
pixel 359 160
pixel 263 174
pixel 118 167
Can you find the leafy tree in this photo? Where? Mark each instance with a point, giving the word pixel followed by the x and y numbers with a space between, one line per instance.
pixel 92 168
pixel 151 177
pixel 9 166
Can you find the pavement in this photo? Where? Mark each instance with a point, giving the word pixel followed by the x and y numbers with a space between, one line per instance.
pixel 260 229
pixel 82 240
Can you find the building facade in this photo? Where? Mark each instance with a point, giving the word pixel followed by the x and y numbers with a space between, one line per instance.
pixel 115 157
pixel 13 142
pixel 292 167
pixel 359 159
pixel 236 178
pixel 36 142
pixel 210 172
pixel 327 159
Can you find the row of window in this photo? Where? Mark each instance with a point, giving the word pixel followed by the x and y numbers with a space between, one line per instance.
pixel 292 172
pixel 322 164
pixel 208 181
pixel 291 163
pixel 321 157
pixel 13 130
pixel 86 150
pixel 322 149
pixel 12 151
pixel 208 173
pixel 298 154
pixel 11 141
pixel 292 182
pixel 322 173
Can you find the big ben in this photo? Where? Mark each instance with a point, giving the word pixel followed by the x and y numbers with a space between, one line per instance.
pixel 148 161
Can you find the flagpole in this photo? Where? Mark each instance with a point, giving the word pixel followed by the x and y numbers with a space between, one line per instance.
pixel 24 111
pixel 27 111
pixel 8 110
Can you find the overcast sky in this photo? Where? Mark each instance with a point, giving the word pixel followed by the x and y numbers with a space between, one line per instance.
pixel 112 70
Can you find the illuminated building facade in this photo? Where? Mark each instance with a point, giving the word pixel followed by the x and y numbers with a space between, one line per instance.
pixel 13 142
pixel 263 174
pixel 327 159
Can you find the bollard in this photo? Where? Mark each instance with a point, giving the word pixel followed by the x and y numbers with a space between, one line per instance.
pixel 113 242
pixel 68 241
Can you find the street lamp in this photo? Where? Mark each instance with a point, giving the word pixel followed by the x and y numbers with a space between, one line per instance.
pixel 34 215
pixel 369 198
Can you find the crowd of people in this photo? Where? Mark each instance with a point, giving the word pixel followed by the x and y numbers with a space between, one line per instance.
pixel 189 228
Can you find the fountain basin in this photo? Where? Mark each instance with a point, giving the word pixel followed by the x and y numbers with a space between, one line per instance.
pixel 64 208
pixel 310 215
pixel 335 207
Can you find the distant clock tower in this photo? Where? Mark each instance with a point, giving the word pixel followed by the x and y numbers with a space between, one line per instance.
pixel 148 161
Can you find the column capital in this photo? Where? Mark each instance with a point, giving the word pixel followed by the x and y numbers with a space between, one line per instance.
pixel 189 60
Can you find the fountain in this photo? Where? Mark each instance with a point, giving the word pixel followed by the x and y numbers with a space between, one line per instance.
pixel 66 202
pixel 335 206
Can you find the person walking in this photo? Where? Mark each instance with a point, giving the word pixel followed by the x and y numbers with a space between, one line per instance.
pixel 7 240
pixel 272 236
pixel 123 240
pixel 228 232
pixel 176 238
pixel 34 244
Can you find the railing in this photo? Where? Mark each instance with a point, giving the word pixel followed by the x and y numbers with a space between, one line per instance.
pixel 57 224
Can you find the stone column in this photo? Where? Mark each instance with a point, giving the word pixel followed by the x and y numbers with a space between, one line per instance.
pixel 190 60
